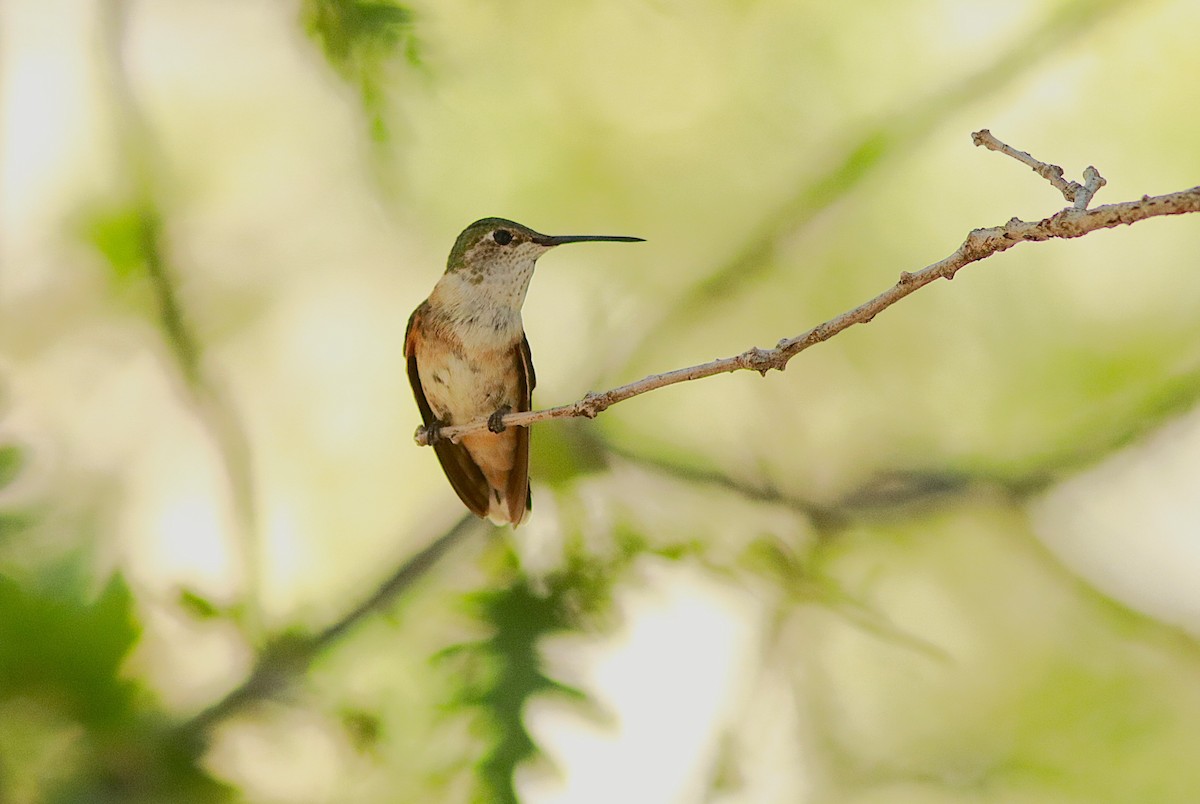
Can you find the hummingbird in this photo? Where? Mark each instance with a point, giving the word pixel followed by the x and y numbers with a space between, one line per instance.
pixel 468 357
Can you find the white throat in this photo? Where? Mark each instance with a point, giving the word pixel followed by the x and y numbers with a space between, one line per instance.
pixel 485 304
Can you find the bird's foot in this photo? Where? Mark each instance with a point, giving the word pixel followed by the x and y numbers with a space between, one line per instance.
pixel 495 421
pixel 433 432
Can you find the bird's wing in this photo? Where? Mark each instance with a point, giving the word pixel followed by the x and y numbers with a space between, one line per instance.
pixel 517 494
pixel 461 470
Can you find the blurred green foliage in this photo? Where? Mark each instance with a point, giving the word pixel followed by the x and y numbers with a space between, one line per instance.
pixel 497 676
pixel 500 674
pixel 12 519
pixel 360 38
pixel 121 235
pixel 872 503
pixel 69 648
pixel 61 674
pixel 10 463
pixel 564 452
pixel 354 31
pixel 199 606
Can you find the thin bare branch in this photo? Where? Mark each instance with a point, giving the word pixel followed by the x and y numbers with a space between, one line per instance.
pixel 1092 182
pixel 980 244
pixel 1051 173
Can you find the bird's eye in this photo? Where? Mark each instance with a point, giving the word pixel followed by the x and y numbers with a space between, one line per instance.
pixel 502 236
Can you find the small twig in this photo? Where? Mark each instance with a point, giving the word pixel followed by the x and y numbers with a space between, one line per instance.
pixel 1092 182
pixel 1080 195
pixel 980 244
pixel 1051 173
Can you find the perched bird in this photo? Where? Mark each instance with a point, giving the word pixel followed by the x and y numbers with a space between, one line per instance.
pixel 468 358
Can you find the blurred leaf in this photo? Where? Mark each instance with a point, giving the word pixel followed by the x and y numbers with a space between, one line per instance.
pixel 68 649
pixel 351 30
pixel 363 728
pixel 198 606
pixel 631 544
pixel 768 557
pixel 10 464
pixel 498 675
pixel 358 37
pixel 12 522
pixel 61 656
pixel 119 234
pixel 565 451
pixel 141 768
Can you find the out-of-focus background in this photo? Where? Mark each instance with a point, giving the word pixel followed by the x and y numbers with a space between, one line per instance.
pixel 949 557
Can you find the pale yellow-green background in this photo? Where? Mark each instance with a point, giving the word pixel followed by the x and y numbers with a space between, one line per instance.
pixel 975 578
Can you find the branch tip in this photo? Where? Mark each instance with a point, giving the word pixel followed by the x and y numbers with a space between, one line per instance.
pixel 1092 182
pixel 1073 192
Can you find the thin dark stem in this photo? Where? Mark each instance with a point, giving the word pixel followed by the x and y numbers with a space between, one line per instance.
pixel 404 577
pixel 179 336
pixel 213 407
pixel 288 659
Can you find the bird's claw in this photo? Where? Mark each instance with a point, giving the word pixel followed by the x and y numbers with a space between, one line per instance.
pixel 433 432
pixel 496 420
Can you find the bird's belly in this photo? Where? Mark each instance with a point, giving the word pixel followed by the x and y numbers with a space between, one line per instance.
pixel 460 389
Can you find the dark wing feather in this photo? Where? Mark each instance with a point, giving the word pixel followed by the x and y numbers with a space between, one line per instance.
pixel 462 472
pixel 527 358
pixel 520 499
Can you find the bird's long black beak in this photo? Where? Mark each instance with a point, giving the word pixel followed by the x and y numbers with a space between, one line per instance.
pixel 558 240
